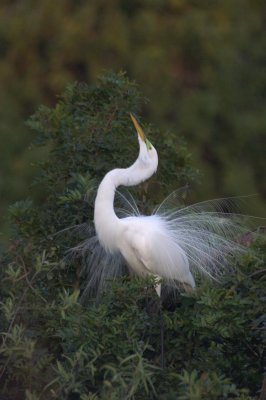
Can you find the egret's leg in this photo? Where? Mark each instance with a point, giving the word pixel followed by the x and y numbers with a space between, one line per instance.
pixel 158 286
pixel 158 289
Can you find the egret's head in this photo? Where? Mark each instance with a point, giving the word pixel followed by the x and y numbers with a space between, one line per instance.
pixel 147 152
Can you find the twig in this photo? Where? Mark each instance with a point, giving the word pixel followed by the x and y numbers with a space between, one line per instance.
pixel 162 334
pixel 257 272
pixel 30 282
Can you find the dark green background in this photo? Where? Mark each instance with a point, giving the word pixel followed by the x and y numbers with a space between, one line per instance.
pixel 200 64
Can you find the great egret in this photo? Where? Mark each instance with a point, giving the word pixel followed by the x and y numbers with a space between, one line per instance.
pixel 170 244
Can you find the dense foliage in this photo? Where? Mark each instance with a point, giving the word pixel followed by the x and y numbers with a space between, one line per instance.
pixel 55 348
pixel 201 63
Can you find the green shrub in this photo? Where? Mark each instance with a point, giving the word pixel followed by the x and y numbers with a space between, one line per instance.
pixel 55 348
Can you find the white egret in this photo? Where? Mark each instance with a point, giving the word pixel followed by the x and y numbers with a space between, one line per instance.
pixel 145 242
pixel 169 244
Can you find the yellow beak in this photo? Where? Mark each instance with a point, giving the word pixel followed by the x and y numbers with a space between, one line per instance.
pixel 138 128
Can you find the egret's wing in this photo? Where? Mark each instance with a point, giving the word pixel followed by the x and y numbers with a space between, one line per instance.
pixel 166 258
pixel 149 247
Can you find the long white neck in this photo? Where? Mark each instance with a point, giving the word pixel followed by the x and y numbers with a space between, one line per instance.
pixel 107 224
pixel 105 220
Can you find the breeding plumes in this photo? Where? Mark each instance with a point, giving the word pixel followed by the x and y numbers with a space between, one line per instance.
pixel 172 244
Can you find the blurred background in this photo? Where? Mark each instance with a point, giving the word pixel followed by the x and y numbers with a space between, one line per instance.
pixel 200 64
